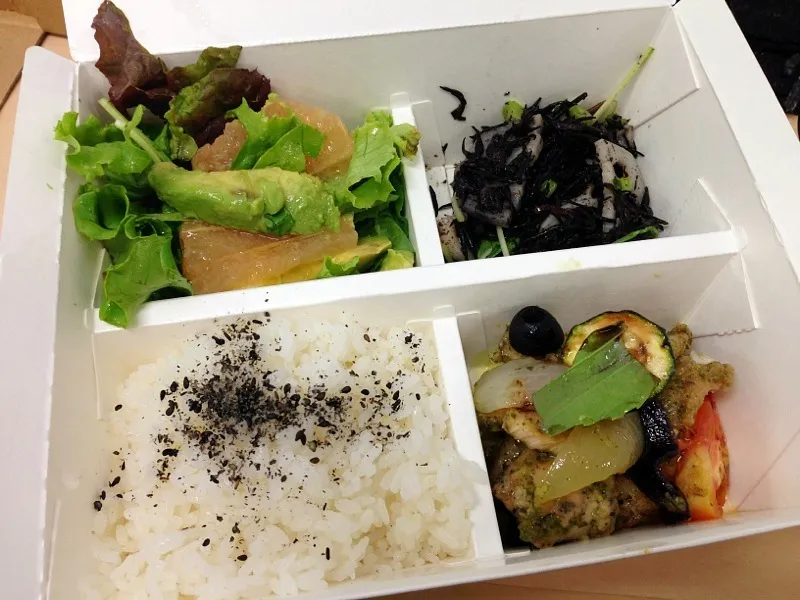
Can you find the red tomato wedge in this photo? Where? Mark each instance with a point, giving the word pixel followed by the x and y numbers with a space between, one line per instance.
pixel 703 469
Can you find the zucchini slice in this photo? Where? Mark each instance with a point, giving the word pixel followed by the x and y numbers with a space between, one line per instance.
pixel 647 342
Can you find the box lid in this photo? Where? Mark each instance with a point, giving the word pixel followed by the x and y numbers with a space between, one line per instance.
pixel 178 25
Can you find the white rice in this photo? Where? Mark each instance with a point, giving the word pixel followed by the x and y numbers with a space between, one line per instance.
pixel 386 489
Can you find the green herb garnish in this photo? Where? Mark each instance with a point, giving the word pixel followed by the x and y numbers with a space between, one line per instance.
pixel 605 383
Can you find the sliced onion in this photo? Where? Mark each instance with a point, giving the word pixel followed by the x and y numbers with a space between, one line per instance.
pixel 511 384
pixel 591 454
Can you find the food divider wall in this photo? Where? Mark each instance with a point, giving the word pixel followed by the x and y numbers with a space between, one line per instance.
pixel 720 266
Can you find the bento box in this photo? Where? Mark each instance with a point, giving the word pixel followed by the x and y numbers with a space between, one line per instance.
pixel 720 161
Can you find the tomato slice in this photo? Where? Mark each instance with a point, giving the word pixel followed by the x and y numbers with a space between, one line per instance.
pixel 702 473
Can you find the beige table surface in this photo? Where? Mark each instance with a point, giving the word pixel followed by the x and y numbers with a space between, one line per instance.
pixel 765 567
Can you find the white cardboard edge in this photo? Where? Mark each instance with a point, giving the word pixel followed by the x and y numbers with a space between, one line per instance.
pixel 28 297
pixel 464 429
pixel 184 25
pixel 453 275
pixel 766 140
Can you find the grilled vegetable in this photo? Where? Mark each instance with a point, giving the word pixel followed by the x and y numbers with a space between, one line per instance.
pixel 591 454
pixel 510 385
pixel 647 474
pixel 535 332
pixel 647 342
pixel 703 466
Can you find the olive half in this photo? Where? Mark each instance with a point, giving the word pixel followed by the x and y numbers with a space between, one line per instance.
pixel 535 332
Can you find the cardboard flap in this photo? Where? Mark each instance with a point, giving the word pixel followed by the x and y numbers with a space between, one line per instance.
pixel 29 248
pixel 178 25
pixel 767 141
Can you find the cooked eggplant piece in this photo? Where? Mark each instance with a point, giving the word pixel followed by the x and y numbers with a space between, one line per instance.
pixel 647 342
pixel 535 332
pixel 647 474
pixel 635 508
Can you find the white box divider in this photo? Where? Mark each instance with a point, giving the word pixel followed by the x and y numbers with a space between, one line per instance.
pixel 419 210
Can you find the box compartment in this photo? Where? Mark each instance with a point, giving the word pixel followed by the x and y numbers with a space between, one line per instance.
pixel 722 266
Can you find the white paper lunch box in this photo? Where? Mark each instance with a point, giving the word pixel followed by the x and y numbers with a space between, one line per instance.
pixel 720 160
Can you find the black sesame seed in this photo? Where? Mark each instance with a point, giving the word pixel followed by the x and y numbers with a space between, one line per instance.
pixel 173 387
pixel 415 359
pixel 346 389
pixel 365 392
pixel 366 338
pixel 114 482
pixel 118 407
pixel 235 528
pixel 283 478
pixel 103 495
pixel 186 383
pixel 98 506
pixel 300 436
pixel 163 394
pixel 219 518
pixel 218 340
pixel 242 557
pixel 314 460
pixel 206 542
pixel 169 452
pixel 327 553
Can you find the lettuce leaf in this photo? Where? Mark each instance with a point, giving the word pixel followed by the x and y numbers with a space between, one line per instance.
pixel 275 141
pixel 182 146
pixel 134 75
pixel 334 269
pixel 215 94
pixel 143 266
pixel 290 151
pixel 378 146
pixel 100 211
pixel 211 58
pixel 96 150
pixel 373 148
pixel 89 133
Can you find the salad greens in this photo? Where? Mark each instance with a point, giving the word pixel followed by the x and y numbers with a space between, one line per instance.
pixel 194 106
pixel 605 382
pixel 143 265
pixel 211 58
pixel 135 197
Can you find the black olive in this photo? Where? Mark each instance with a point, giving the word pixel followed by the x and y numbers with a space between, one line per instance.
pixel 535 332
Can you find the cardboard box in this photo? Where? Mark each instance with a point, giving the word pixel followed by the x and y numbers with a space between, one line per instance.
pixel 719 159
pixel 17 33
pixel 48 13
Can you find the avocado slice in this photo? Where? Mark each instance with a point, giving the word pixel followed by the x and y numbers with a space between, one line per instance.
pixel 367 252
pixel 397 259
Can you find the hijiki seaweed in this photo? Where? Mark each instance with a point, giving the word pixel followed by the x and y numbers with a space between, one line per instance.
pixel 547 178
